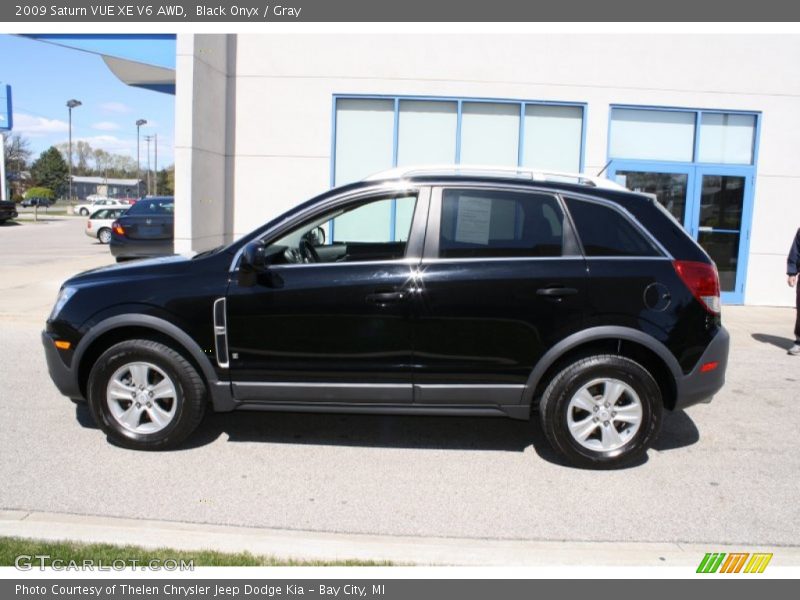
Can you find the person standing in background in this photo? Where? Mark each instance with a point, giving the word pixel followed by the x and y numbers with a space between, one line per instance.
pixel 792 268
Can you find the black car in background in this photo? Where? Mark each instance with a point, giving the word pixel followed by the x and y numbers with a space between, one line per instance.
pixel 40 202
pixel 439 292
pixel 145 230
pixel 8 210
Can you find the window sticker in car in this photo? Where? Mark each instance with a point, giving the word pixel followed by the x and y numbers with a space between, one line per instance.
pixel 474 220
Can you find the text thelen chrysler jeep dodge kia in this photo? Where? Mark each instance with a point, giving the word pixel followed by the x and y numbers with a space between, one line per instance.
pixel 431 291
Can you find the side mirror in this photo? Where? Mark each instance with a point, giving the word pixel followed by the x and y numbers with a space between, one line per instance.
pixel 252 262
pixel 253 258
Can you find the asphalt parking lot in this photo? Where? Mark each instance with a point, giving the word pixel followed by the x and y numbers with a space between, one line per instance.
pixel 720 473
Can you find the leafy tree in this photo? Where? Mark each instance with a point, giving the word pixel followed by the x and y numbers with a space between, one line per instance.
pixel 51 171
pixel 166 181
pixel 40 192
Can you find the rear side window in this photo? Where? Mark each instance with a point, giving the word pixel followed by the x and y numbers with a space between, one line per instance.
pixel 606 232
pixel 499 224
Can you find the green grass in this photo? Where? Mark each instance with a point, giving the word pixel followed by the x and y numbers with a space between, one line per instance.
pixel 11 547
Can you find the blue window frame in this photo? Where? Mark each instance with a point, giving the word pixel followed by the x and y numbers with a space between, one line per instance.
pixel 697 172
pixel 525 111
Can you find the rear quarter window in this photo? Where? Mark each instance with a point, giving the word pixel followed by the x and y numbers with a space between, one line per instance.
pixel 604 231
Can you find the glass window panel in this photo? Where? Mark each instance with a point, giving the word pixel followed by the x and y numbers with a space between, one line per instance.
pixel 727 138
pixel 670 189
pixel 605 232
pixel 723 248
pixel 364 138
pixel 427 132
pixel 652 134
pixel 553 137
pixel 721 202
pixel 404 213
pixel 489 133
pixel 495 224
pixel 368 223
pixel 360 232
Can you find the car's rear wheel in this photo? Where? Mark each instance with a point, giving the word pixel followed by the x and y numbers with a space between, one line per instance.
pixel 104 235
pixel 144 395
pixel 84 212
pixel 602 411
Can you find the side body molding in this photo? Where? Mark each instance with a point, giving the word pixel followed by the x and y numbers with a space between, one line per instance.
pixel 593 334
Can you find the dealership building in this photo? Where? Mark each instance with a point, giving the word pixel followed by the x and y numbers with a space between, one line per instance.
pixel 709 124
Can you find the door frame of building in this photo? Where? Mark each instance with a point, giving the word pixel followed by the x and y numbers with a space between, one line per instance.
pixel 695 172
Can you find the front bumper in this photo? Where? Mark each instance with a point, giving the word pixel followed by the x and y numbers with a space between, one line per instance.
pixel 697 386
pixel 64 377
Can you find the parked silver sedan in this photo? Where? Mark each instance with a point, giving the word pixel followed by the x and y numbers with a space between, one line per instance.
pixel 99 224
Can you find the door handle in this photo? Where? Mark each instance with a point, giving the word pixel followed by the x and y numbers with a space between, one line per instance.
pixel 385 297
pixel 556 292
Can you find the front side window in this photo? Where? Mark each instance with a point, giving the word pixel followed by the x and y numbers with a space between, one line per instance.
pixel 371 230
pixel 499 224
pixel 604 231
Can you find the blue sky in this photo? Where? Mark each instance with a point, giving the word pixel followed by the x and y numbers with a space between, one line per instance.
pixel 44 76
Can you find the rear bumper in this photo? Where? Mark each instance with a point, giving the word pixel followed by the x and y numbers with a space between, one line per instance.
pixel 65 379
pixel 140 248
pixel 697 386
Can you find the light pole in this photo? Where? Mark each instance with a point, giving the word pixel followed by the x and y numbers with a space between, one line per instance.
pixel 139 123
pixel 155 161
pixel 147 139
pixel 70 105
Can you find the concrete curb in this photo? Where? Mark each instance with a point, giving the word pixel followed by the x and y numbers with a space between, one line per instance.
pixel 312 545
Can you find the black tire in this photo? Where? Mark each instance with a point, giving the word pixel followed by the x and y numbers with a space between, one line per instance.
pixel 84 212
pixel 104 235
pixel 555 405
pixel 190 394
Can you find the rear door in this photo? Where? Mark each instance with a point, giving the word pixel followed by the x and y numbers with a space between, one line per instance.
pixel 500 282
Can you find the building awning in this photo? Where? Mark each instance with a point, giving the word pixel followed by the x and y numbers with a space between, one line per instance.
pixel 149 65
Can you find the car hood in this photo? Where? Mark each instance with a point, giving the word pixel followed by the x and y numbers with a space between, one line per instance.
pixel 151 267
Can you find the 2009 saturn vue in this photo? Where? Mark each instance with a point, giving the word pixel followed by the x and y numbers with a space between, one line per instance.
pixel 421 291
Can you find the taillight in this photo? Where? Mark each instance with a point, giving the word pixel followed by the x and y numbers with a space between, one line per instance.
pixel 117 228
pixel 88 224
pixel 702 280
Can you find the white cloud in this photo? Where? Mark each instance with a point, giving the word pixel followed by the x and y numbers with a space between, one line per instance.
pixel 105 126
pixel 110 143
pixel 115 107
pixel 33 126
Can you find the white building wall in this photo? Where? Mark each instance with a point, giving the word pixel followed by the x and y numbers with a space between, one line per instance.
pixel 282 88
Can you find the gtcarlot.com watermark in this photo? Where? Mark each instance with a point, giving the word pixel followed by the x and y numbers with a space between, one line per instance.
pixel 28 562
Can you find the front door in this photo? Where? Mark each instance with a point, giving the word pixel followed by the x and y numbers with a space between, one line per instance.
pixel 329 319
pixel 713 203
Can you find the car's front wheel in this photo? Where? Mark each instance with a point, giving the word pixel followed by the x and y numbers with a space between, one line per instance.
pixel 104 235
pixel 84 212
pixel 602 411
pixel 145 395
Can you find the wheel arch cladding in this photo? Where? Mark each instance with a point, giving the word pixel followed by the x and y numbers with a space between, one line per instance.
pixel 623 341
pixel 126 327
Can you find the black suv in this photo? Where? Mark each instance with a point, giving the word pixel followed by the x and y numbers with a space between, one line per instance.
pixel 436 292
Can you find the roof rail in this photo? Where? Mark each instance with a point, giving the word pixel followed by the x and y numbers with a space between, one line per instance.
pixel 495 171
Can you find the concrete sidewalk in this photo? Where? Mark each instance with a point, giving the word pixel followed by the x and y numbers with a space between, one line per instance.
pixel 408 550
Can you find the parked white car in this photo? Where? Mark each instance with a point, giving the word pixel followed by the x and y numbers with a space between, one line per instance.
pixel 99 224
pixel 87 208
